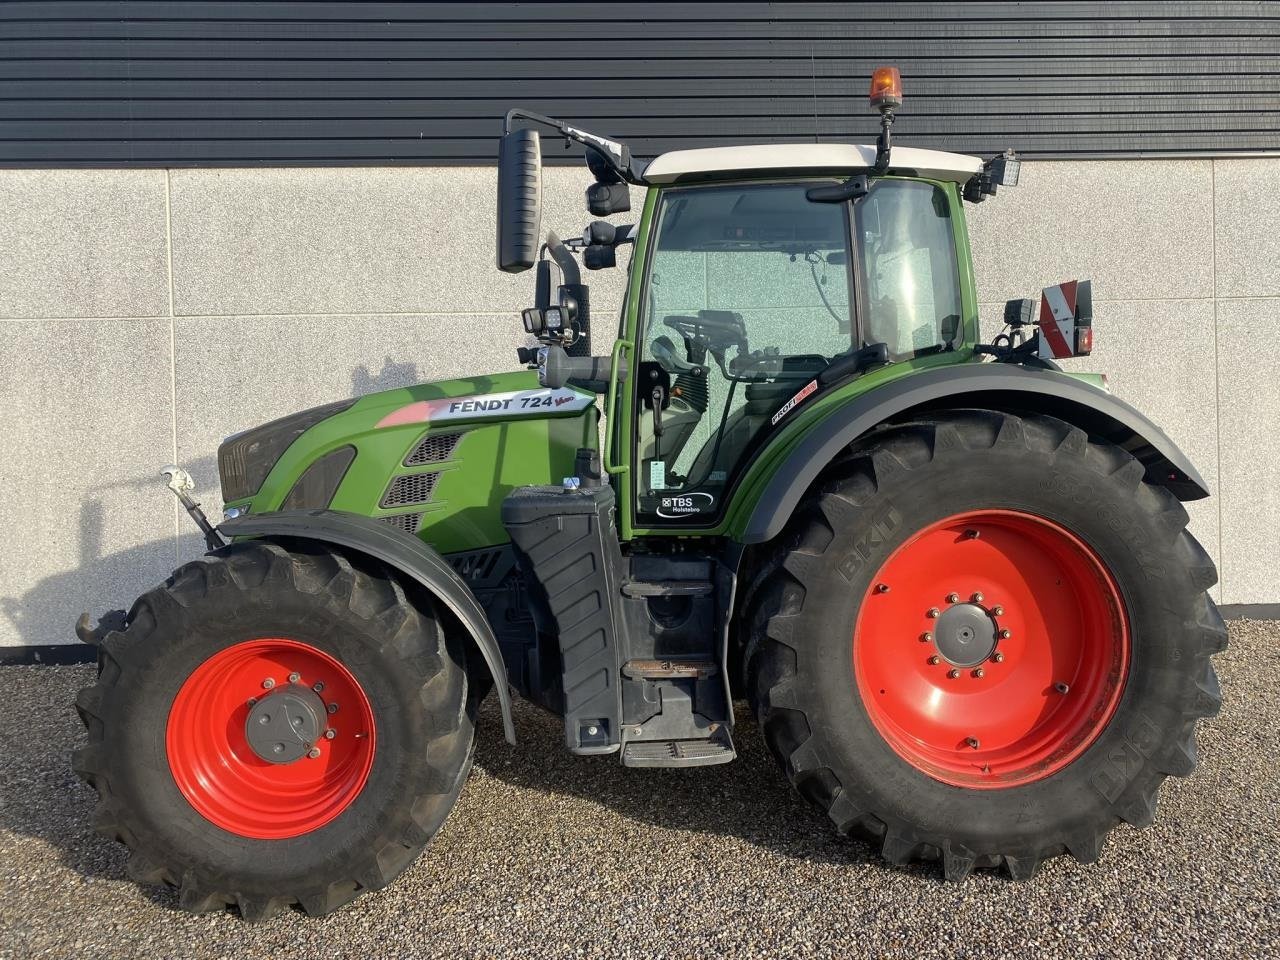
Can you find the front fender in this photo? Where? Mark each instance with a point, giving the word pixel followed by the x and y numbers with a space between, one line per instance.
pixel 407 554
pixel 992 386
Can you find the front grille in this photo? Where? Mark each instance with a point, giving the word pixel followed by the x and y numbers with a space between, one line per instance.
pixel 433 448
pixel 408 522
pixel 408 490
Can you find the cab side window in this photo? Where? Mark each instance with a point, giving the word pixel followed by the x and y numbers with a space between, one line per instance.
pixel 907 264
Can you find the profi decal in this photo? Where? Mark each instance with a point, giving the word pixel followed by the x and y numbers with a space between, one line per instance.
pixel 513 403
pixel 685 504
pixel 790 405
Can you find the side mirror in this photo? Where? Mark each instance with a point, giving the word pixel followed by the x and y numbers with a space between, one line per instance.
pixel 519 200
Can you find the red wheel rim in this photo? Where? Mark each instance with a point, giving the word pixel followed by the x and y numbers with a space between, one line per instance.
pixel 223 778
pixel 1056 667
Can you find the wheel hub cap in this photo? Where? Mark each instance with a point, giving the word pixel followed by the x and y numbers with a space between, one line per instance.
pixel 285 724
pixel 965 635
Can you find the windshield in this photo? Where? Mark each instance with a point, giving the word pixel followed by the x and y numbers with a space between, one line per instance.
pixel 750 294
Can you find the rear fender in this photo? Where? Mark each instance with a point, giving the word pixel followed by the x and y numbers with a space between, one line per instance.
pixel 989 386
pixel 407 554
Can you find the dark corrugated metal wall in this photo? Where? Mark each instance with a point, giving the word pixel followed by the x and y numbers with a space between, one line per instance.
pixel 209 83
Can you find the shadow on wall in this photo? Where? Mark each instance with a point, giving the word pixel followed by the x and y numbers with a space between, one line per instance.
pixel 103 579
pixel 106 579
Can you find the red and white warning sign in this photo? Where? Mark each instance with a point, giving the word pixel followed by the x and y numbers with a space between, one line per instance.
pixel 1064 331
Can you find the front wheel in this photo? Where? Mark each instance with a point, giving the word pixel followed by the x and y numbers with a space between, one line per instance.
pixel 988 643
pixel 276 727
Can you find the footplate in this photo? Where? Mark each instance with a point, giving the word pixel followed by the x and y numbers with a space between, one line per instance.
pixel 718 748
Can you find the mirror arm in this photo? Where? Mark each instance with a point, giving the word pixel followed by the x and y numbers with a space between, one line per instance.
pixel 563 258
pixel 618 154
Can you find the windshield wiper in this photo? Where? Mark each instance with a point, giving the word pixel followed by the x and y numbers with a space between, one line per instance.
pixel 850 363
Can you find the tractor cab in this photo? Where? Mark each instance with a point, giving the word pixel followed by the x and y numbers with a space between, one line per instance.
pixel 756 296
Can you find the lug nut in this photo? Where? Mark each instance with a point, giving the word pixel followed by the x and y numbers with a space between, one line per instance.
pixel 330 734
pixel 953 598
pixel 953 673
pixel 1061 687
pixel 998 657
pixel 926 637
pixel 1006 633
pixel 979 673
pixel 318 687
pixel 332 708
pixel 998 611
pixel 976 598
pixel 935 660
pixel 313 752
pixel 295 677
pixel 932 613
pixel 252 701
pixel 972 742
pixel 268 683
pixel 882 588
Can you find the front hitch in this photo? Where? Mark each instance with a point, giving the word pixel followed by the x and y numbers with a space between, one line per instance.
pixel 180 483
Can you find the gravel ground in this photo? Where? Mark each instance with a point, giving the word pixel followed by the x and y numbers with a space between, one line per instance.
pixel 550 855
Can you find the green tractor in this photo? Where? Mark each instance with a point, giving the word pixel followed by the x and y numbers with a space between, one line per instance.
pixel 954 582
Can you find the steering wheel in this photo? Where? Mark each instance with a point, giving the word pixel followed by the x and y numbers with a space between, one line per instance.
pixel 714 330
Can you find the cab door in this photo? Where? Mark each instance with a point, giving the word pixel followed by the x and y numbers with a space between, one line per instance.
pixel 747 294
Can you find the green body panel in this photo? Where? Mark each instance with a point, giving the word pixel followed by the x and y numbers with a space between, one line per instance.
pixel 493 455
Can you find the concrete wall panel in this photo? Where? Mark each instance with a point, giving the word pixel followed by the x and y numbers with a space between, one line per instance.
pixel 84 520
pixel 1249 413
pixel 331 241
pixel 82 243
pixel 1141 229
pixel 1246 205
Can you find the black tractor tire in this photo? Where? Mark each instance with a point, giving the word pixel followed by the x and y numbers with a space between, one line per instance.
pixel 411 671
pixel 801 674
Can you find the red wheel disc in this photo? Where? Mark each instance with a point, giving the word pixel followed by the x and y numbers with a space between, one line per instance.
pixel 227 782
pixel 991 649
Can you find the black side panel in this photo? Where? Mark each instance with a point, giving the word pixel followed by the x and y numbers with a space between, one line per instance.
pixel 995 386
pixel 568 550
pixel 126 83
pixel 404 552
pixel 533 666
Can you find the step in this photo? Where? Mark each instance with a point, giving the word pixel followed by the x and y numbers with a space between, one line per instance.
pixel 669 669
pixel 667 588
pixel 679 753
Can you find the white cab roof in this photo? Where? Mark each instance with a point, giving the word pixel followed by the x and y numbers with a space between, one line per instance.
pixel 685 165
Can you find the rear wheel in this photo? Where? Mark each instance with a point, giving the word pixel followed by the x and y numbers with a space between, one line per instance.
pixel 988 642
pixel 276 727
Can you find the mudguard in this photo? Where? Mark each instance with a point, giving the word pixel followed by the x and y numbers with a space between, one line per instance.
pixel 991 386
pixel 406 553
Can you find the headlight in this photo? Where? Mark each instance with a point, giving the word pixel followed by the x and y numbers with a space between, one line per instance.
pixel 245 459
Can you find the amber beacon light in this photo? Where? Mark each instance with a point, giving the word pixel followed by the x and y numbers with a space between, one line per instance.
pixel 886 88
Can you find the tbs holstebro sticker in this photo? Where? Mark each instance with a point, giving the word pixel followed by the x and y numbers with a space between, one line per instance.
pixel 685 504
